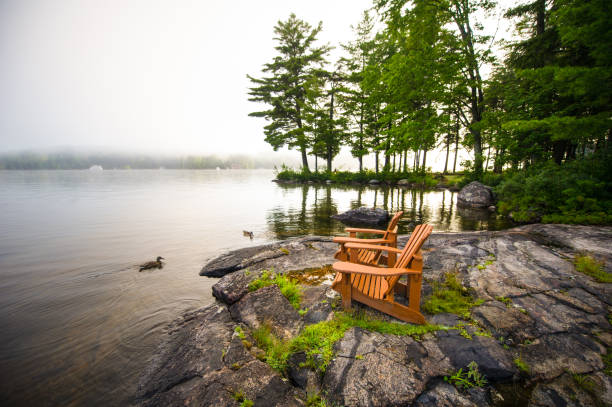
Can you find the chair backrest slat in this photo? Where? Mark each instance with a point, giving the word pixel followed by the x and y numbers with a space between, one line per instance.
pixel 392 227
pixel 418 237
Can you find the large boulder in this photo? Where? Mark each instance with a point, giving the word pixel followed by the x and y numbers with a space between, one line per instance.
pixel 476 195
pixel 363 216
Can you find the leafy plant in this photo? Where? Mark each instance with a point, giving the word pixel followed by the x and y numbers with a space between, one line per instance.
pixel 521 365
pixel 468 378
pixel 584 382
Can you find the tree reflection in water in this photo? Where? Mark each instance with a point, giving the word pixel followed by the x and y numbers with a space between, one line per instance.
pixel 307 209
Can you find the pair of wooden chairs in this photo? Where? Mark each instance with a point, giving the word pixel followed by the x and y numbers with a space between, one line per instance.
pixel 369 270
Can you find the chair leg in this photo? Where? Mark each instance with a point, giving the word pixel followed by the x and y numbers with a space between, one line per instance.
pixel 345 290
pixel 414 300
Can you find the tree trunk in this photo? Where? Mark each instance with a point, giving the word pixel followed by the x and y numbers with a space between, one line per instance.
pixel 447 151
pixel 558 152
pixel 304 160
pixel 316 163
pixel 331 130
pixel 456 152
pixel 424 168
pixel 376 154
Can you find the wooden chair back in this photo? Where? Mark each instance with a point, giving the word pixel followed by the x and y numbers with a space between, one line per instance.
pixel 392 227
pixel 412 248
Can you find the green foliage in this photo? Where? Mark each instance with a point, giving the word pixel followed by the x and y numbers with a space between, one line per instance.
pixel 419 180
pixel 584 382
pixel 240 397
pixel 276 350
pixel 292 77
pixel 317 340
pixel 316 400
pixel 467 379
pixel 575 192
pixel 591 267
pixel 240 332
pixel 522 366
pixel 505 300
pixel 288 287
pixel 449 296
pixel 607 359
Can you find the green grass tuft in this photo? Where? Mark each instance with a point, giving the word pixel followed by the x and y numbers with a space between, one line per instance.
pixel 240 332
pixel 317 340
pixel 584 382
pixel 591 267
pixel 449 296
pixel 316 400
pixel 505 300
pixel 242 399
pixel 522 366
pixel 276 350
pixel 288 287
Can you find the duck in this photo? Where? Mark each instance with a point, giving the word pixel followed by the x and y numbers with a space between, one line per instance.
pixel 157 264
pixel 247 233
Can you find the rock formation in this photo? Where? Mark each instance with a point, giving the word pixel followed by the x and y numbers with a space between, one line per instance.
pixel 539 331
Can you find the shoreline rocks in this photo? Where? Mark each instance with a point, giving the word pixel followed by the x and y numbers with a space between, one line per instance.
pixel 538 329
pixel 476 195
pixel 363 217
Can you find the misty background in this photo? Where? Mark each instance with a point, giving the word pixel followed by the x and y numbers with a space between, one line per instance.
pixel 156 82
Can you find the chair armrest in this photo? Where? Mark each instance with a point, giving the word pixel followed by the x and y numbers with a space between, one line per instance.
pixel 354 268
pixel 372 247
pixel 371 231
pixel 344 239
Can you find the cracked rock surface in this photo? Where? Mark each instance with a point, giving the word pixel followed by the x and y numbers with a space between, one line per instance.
pixel 534 307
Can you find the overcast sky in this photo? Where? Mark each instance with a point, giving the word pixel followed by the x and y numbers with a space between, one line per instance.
pixel 144 75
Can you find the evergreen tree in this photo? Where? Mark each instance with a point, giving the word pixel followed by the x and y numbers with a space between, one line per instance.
pixel 354 97
pixel 285 89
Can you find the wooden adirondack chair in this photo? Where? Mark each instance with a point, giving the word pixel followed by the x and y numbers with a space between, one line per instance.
pixel 366 256
pixel 375 286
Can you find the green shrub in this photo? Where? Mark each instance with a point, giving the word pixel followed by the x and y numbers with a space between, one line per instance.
pixel 346 177
pixel 576 192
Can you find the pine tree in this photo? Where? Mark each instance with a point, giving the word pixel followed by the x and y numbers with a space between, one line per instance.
pixel 285 89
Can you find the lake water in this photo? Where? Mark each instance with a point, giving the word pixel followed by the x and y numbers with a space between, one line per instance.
pixel 78 319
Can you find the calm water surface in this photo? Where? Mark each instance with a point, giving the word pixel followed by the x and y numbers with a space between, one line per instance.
pixel 79 321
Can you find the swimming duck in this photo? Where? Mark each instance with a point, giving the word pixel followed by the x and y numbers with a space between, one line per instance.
pixel 157 264
pixel 247 233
